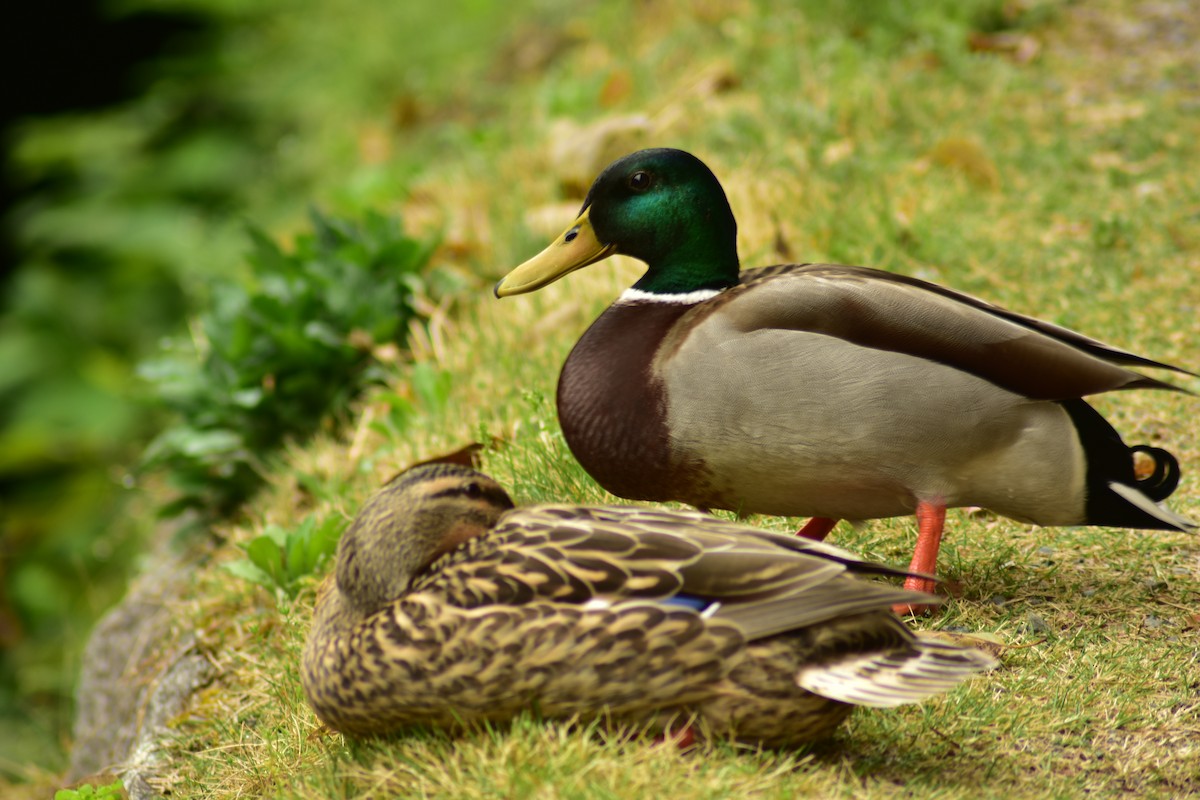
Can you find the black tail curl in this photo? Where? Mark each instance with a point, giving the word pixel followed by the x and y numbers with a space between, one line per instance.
pixel 1111 462
pixel 1159 484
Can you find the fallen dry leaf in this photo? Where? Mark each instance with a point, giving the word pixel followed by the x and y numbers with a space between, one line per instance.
pixel 1020 48
pixel 578 153
pixel 968 157
pixel 616 89
pixel 836 152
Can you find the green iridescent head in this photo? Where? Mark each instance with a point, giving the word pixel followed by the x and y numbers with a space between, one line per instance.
pixel 661 206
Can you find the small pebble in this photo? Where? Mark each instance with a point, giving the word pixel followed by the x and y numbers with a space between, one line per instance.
pixel 1089 591
pixel 1045 551
pixel 1035 624
pixel 1151 621
pixel 1154 584
pixel 998 600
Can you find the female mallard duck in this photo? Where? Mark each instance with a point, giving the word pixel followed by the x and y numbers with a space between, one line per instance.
pixel 451 607
pixel 827 391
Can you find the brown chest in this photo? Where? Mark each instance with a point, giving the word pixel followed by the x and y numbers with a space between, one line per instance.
pixel 612 407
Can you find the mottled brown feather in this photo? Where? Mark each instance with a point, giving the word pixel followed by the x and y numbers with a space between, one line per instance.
pixel 568 611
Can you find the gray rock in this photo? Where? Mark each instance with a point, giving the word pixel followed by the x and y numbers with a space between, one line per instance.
pixel 136 677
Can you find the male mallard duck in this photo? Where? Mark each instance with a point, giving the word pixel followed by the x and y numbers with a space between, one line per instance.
pixel 450 607
pixel 823 390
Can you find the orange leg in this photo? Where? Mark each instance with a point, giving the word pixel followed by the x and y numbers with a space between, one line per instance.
pixel 931 519
pixel 817 528
pixel 681 739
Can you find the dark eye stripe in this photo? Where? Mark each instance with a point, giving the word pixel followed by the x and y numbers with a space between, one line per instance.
pixel 493 494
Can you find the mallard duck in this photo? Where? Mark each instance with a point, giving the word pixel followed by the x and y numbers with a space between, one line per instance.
pixel 827 391
pixel 448 606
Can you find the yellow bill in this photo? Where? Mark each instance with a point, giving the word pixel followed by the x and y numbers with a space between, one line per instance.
pixel 576 247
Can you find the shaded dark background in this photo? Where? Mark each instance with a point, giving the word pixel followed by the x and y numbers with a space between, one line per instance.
pixel 64 57
pixel 58 490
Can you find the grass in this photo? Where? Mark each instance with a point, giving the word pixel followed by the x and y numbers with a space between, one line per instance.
pixel 1065 186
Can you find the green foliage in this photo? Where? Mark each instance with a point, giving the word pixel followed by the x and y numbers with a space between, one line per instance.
pixel 87 790
pixel 939 26
pixel 278 355
pixel 125 206
pixel 132 211
pixel 431 389
pixel 280 559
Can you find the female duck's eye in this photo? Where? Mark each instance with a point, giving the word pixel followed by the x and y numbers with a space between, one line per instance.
pixel 639 181
pixel 473 490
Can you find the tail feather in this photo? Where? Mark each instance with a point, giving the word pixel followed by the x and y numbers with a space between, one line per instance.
pixel 1115 495
pixel 1140 500
pixel 1162 482
pixel 884 679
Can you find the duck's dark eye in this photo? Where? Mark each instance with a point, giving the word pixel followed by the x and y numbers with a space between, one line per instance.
pixel 639 181
pixel 473 490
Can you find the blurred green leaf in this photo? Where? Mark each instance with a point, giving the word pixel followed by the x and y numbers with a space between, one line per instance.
pixel 282 351
pixel 280 559
pixel 432 385
pixel 245 569
pixel 87 790
pixel 129 243
pixel 266 554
